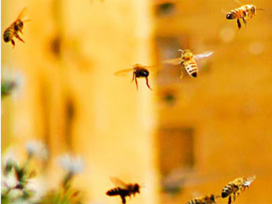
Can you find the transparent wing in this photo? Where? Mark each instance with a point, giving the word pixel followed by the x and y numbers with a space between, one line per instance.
pixel 22 14
pixel 118 182
pixel 175 61
pixel 249 180
pixel 123 71
pixel 203 55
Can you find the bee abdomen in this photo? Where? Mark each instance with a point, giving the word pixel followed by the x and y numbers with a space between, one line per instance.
pixel 226 191
pixel 7 35
pixel 231 15
pixel 236 13
pixel 114 191
pixel 191 68
pixel 194 201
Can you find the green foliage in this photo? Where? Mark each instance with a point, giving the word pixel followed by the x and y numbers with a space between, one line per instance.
pixel 16 177
pixel 7 87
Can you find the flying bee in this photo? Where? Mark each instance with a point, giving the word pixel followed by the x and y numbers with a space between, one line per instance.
pixel 236 187
pixel 16 27
pixel 203 200
pixel 188 61
pixel 139 71
pixel 123 189
pixel 245 12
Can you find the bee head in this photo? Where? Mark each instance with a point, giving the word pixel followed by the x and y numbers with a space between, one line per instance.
pixel 137 188
pixel 252 9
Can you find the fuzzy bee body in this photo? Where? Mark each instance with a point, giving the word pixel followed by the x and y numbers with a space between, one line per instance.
pixel 235 187
pixel 245 13
pixel 123 190
pixel 188 61
pixel 8 34
pixel 203 200
pixel 190 65
pixel 139 71
pixel 12 31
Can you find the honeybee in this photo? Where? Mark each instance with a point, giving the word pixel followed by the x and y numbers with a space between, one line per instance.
pixel 138 72
pixel 188 61
pixel 245 12
pixel 123 189
pixel 236 187
pixel 203 200
pixel 16 27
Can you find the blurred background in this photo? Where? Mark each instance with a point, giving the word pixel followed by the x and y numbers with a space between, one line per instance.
pixel 183 139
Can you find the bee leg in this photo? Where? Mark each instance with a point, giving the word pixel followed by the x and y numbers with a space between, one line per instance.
pixel 234 196
pixel 239 23
pixel 133 77
pixel 136 82
pixel 123 199
pixel 244 20
pixel 181 75
pixel 18 37
pixel 146 79
pixel 12 42
pixel 229 202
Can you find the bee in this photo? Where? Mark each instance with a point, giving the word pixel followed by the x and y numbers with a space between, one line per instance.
pixel 236 187
pixel 139 71
pixel 245 12
pixel 188 61
pixel 13 30
pixel 203 200
pixel 123 189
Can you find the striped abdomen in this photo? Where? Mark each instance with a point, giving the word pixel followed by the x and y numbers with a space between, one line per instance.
pixel 229 189
pixel 8 34
pixel 236 13
pixel 191 67
pixel 203 200
pixel 114 191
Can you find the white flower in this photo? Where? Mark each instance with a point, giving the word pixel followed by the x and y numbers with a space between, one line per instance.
pixel 9 156
pixel 9 180
pixel 37 185
pixel 37 148
pixel 15 78
pixel 71 164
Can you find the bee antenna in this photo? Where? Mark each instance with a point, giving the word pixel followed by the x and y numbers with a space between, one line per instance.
pixel 259 9
pixel 218 196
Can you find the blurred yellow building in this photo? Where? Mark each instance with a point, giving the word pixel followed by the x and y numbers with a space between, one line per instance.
pixel 185 138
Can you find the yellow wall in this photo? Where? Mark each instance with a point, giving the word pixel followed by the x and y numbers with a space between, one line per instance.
pixel 112 124
pixel 122 132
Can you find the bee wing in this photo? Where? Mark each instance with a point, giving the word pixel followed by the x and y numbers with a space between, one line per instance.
pixel 118 182
pixel 175 61
pixel 203 55
pixel 124 71
pixel 249 180
pixel 22 14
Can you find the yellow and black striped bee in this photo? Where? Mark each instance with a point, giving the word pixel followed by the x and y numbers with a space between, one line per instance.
pixel 188 60
pixel 245 12
pixel 203 200
pixel 16 27
pixel 139 71
pixel 235 187
pixel 123 189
